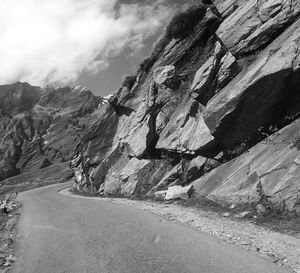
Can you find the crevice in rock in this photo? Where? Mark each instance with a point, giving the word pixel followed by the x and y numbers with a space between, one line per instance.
pixel 122 110
pixel 271 36
pixel 152 137
pixel 273 170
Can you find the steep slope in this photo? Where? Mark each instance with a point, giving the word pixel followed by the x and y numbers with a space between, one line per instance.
pixel 41 127
pixel 224 77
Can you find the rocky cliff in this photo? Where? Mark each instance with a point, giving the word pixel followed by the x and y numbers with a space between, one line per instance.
pixel 216 105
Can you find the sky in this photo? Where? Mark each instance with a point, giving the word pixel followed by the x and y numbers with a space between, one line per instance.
pixel 93 43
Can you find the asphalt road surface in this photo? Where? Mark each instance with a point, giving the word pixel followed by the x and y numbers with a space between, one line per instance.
pixel 67 234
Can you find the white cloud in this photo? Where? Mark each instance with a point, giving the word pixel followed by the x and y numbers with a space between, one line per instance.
pixel 53 41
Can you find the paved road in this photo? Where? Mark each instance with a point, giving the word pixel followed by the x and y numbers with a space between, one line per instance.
pixel 67 234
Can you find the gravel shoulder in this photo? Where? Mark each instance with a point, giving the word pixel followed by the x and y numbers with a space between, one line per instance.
pixel 280 248
pixel 10 209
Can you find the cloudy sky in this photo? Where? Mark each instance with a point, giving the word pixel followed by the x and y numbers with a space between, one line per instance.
pixel 88 42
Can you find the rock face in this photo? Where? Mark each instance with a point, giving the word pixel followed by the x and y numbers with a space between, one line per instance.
pixel 191 132
pixel 272 164
pixel 254 24
pixel 267 78
pixel 217 108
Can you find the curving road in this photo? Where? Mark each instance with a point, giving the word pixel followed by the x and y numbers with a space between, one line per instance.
pixel 67 234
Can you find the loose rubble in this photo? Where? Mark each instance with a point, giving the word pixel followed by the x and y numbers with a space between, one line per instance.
pixel 9 215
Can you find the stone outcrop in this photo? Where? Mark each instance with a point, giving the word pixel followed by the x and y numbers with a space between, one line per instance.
pixel 178 192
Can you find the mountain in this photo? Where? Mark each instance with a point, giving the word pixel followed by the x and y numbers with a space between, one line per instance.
pixel 41 127
pixel 216 106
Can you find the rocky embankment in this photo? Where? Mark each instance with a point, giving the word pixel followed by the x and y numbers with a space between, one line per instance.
pixel 216 106
pixel 9 214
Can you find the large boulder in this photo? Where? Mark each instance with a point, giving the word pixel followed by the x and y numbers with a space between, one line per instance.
pixel 179 192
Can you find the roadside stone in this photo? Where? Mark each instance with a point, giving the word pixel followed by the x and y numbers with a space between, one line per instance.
pixel 160 195
pixel 261 209
pixel 226 214
pixel 179 192
pixel 11 259
pixel 7 264
pixel 242 214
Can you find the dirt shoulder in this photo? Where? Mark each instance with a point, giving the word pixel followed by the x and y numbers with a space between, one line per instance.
pixel 279 247
pixel 9 214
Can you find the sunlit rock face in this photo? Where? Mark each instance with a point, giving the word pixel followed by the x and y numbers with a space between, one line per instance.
pixel 272 163
pixel 216 107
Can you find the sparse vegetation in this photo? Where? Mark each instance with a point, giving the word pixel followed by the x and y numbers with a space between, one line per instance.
pixel 183 23
pixel 146 64
pixel 129 81
pixel 179 27
pixel 158 48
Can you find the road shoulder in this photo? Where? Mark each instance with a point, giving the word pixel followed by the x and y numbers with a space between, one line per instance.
pixel 10 209
pixel 279 248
